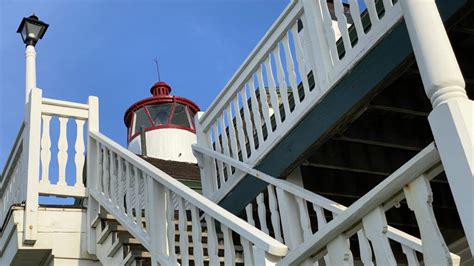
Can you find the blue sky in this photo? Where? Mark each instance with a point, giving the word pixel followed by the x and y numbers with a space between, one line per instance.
pixel 106 48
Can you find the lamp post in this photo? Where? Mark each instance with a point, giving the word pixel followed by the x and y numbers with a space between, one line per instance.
pixel 31 29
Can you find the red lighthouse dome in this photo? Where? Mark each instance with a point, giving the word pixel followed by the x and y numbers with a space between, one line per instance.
pixel 168 122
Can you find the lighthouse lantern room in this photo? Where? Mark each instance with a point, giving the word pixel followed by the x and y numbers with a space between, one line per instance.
pixel 166 122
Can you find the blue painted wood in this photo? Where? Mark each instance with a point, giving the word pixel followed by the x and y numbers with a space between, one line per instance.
pixel 364 78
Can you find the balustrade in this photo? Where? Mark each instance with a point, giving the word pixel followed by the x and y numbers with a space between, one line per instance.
pixel 295 64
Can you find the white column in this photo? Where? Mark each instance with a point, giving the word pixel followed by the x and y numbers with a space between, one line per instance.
pixel 30 79
pixel 92 165
pixel 452 118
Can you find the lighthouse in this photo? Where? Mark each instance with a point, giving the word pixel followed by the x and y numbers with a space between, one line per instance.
pixel 164 124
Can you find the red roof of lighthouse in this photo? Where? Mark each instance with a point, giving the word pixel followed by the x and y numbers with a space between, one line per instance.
pixel 161 94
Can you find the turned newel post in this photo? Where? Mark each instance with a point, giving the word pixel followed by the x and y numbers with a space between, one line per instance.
pixel 30 77
pixel 452 118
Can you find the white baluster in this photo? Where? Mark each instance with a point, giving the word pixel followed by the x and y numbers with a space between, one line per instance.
pixel 275 215
pixel 290 66
pixel 212 241
pixel 121 184
pixel 170 227
pixel 364 247
pixel 229 249
pixel 247 250
pixel 342 24
pixel 339 252
pixel 45 150
pixel 113 177
pixel 419 198
pixel 272 91
pixel 225 145
pixel 256 113
pixel 300 60
pixel 387 5
pixel 232 136
pixel 281 81
pixel 128 186
pixel 183 232
pixel 62 151
pixel 262 213
pixel 197 237
pixel 105 173
pixel 263 100
pixel 321 217
pixel 375 227
pixel 240 129
pixel 249 213
pixel 217 143
pixel 355 14
pixel 79 157
pixel 248 120
pixel 372 10
pixel 329 32
pixel 138 209
pixel 411 256
pixel 304 218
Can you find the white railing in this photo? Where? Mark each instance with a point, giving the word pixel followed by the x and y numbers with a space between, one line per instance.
pixel 410 182
pixel 295 64
pixel 145 201
pixel 38 153
pixel 11 182
pixel 283 211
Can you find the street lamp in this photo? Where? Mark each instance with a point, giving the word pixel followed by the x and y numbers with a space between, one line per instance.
pixel 31 29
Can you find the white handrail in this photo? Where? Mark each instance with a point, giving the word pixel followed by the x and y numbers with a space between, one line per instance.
pixel 11 158
pixel 221 215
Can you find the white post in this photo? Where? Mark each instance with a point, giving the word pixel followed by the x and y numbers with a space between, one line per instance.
pixel 156 208
pixel 205 162
pixel 31 151
pixel 30 79
pixel 92 172
pixel 452 118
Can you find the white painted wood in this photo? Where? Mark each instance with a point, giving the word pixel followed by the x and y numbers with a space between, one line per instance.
pixel 300 61
pixel 263 100
pixel 256 113
pixel 93 169
pixel 211 241
pixel 263 258
pixel 121 184
pixel 105 173
pixel 62 151
pixel 72 105
pixel 375 227
pixel 136 194
pixel 207 166
pixel 31 159
pixel 355 14
pixel 249 213
pixel 225 146
pixel 183 232
pixel 272 90
pixel 387 5
pixel 193 198
pixel 79 157
pixel 197 237
pixel 304 218
pixel 240 130
pixel 229 249
pixel 62 111
pixel 220 165
pixel 247 251
pixel 262 213
pixel 248 120
pixel 282 85
pixel 342 25
pixel 329 31
pixel 45 150
pixel 290 67
pixel 113 177
pixel 419 198
pixel 128 198
pixel 411 256
pixel 339 252
pixel 321 218
pixel 370 5
pixel 170 229
pixel 292 233
pixel 234 150
pixel 274 213
pixel 364 247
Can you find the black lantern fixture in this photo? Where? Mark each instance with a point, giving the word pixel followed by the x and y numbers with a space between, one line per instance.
pixel 32 29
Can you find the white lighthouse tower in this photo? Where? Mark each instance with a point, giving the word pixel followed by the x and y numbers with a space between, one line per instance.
pixel 166 123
